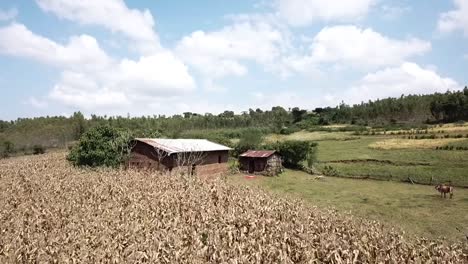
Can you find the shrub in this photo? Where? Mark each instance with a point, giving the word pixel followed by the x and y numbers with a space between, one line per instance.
pixel 329 171
pixel 323 121
pixel 311 157
pixel 8 149
pixel 38 149
pixel 234 166
pixel 289 130
pixel 295 152
pixel 101 146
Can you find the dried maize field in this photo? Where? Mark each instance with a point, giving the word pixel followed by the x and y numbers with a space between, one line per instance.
pixel 51 212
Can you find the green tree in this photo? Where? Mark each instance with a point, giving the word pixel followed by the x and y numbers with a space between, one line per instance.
pixel 250 139
pixel 298 114
pixel 295 152
pixel 79 125
pixel 101 146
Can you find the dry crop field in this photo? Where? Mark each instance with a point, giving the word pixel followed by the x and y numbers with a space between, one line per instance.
pixel 52 212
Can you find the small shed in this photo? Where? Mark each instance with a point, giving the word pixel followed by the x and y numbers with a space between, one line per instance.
pixel 263 162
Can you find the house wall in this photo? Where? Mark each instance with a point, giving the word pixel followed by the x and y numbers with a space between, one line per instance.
pixel 213 163
pixel 274 165
pixel 144 156
pixel 259 163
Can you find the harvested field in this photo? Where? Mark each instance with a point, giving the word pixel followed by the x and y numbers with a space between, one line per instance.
pixel 52 212
pixel 312 136
pixel 397 143
pixel 451 128
pixel 389 162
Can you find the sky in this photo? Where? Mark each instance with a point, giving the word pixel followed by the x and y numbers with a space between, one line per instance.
pixel 115 57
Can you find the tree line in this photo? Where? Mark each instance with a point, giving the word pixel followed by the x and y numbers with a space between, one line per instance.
pixel 58 131
pixel 416 109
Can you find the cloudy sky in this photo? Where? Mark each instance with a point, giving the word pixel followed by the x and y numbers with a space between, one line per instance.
pixel 134 57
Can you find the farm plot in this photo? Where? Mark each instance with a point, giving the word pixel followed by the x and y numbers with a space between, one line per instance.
pixel 52 212
pixel 358 159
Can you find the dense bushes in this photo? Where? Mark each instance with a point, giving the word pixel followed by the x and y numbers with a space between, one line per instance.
pixel 295 153
pixel 38 149
pixel 7 149
pixel 101 146
pixel 289 130
pixel 329 171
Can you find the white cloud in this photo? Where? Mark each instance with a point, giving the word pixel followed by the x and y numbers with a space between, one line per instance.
pixel 408 78
pixel 125 84
pixel 160 73
pixel 363 47
pixel 90 78
pixel 465 56
pixel 455 19
pixel 80 52
pixel 9 14
pixel 220 53
pixel 92 101
pixel 304 12
pixel 113 15
pixel 391 12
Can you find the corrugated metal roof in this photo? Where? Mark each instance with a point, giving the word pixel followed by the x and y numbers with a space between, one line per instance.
pixel 183 145
pixel 258 153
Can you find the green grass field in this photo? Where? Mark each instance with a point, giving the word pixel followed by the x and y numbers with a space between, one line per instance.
pixel 416 209
pixel 400 159
pixel 421 165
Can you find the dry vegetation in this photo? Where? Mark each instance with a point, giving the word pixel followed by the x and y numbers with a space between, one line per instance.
pixel 51 212
pixel 398 143
pixel 311 136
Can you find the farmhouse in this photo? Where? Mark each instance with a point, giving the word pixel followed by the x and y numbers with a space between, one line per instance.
pixel 194 156
pixel 264 162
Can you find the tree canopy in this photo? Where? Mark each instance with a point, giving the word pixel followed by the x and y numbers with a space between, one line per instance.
pixel 101 146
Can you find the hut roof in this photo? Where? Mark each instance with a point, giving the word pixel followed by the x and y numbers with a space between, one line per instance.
pixel 183 145
pixel 258 153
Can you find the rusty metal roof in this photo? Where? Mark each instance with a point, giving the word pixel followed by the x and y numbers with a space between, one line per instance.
pixel 258 153
pixel 183 145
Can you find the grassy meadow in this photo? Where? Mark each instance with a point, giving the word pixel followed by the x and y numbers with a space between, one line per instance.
pixel 391 156
pixel 416 209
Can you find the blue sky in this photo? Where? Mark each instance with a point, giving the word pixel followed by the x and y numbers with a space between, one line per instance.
pixel 120 57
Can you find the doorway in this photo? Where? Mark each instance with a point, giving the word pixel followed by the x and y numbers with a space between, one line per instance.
pixel 251 166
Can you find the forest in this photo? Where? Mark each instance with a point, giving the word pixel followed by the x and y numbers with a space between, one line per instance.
pixel 29 135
